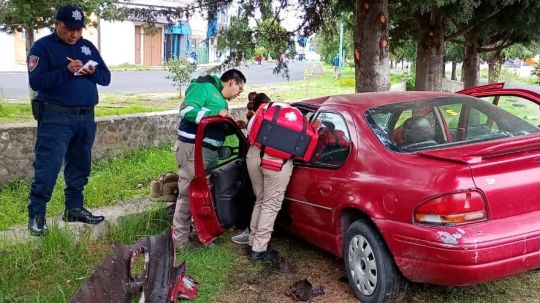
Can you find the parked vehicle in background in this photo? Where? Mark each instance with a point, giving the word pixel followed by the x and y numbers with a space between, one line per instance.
pixel 428 187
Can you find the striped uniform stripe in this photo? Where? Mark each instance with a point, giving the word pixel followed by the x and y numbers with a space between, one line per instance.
pixel 201 113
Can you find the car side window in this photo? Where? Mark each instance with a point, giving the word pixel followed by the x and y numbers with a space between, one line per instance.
pixel 521 107
pixel 221 145
pixel 334 142
pixel 451 114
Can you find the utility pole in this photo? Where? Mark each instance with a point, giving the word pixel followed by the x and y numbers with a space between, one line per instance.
pixel 341 43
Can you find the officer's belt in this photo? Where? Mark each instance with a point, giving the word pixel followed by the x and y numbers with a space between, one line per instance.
pixel 80 110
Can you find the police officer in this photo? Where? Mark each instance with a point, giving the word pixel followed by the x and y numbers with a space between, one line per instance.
pixel 64 107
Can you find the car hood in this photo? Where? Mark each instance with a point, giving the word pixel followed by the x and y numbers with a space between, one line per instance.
pixel 507 171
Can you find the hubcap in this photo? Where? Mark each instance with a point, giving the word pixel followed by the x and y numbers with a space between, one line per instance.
pixel 362 265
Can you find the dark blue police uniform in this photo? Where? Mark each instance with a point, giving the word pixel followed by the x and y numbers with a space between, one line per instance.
pixel 66 127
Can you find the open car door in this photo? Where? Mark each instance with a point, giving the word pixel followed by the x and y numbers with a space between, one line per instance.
pixel 522 102
pixel 221 195
pixel 498 90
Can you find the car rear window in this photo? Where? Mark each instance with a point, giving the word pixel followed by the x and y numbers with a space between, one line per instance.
pixel 432 123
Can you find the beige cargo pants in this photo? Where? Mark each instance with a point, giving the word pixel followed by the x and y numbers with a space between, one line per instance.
pixel 269 187
pixel 184 153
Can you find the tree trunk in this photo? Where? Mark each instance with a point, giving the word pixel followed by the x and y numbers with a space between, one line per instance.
pixel 494 66
pixel 391 64
pixel 371 45
pixel 29 33
pixel 454 68
pixel 402 64
pixel 470 62
pixel 443 75
pixel 429 58
pixel 491 71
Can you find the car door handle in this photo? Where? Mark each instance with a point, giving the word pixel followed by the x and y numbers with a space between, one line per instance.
pixel 325 189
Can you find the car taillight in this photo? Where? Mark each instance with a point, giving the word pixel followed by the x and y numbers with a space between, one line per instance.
pixel 452 209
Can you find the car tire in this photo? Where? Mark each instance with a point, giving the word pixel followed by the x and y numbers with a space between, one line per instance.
pixel 370 267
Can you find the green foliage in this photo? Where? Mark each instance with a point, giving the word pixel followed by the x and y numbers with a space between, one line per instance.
pixel 518 51
pixel 239 39
pixel 210 267
pixel 181 71
pixel 410 80
pixel 347 82
pixel 128 67
pixel 21 112
pixel 16 15
pixel 110 181
pixel 453 52
pixel 536 72
pixel 404 50
pixel 273 37
pixel 327 39
pixel 53 271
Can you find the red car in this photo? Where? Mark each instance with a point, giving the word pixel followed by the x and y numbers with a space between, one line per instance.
pixel 430 187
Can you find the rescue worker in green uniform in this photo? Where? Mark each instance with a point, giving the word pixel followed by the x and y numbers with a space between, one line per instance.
pixel 205 96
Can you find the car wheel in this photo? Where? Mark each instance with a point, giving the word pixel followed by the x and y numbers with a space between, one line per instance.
pixel 370 268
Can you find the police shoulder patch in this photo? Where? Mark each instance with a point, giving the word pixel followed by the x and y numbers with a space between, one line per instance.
pixel 32 62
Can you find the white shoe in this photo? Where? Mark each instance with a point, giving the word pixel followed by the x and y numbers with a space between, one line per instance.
pixel 241 238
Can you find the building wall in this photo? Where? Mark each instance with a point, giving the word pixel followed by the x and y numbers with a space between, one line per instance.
pixel 117 42
pixel 7 49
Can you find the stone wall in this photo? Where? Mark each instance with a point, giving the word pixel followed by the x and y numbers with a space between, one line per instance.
pixel 115 135
pixel 451 85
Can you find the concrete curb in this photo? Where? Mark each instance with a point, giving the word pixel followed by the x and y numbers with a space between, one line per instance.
pixel 113 215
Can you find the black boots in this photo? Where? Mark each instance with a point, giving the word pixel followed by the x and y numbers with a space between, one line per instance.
pixel 267 255
pixel 37 226
pixel 81 215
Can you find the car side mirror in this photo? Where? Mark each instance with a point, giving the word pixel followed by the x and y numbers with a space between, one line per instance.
pixel 224 152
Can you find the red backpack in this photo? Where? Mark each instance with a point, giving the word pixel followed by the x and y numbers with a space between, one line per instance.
pixel 283 132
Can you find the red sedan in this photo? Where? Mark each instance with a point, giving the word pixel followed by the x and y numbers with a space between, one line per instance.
pixel 429 187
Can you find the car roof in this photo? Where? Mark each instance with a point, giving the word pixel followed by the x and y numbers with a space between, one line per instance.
pixel 362 101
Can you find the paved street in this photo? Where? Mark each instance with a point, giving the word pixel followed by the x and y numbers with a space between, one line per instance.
pixel 14 85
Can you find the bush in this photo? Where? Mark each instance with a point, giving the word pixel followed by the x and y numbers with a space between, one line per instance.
pixel 347 82
pixel 536 72
pixel 181 70
pixel 410 80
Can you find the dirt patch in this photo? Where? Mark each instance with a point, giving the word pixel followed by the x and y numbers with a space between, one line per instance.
pixel 263 282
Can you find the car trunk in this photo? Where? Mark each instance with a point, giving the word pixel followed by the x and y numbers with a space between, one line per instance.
pixel 508 172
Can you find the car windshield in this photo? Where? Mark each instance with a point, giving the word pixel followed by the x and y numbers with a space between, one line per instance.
pixel 447 121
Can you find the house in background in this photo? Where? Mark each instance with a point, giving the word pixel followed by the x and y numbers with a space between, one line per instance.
pixel 131 41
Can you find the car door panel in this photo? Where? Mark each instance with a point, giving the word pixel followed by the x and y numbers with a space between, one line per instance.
pixel 222 195
pixel 232 192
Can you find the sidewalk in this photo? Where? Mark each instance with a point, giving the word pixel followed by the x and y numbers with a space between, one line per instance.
pixel 113 214
pixel 12 67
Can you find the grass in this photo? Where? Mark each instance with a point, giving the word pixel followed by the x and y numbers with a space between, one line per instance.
pixel 319 81
pixel 111 181
pixel 129 67
pixel 210 267
pixel 21 112
pixel 60 265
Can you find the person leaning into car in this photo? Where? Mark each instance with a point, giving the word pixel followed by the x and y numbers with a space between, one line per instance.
pixel 64 109
pixel 205 96
pixel 269 187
